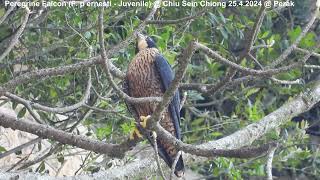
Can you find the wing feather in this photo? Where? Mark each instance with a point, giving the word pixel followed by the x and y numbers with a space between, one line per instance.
pixel 166 76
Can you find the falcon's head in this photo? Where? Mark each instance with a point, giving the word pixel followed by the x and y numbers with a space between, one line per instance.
pixel 144 42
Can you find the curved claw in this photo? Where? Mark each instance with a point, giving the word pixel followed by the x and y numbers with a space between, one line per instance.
pixel 135 133
pixel 143 120
pixel 143 123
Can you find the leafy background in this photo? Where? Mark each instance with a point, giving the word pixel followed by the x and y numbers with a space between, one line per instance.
pixel 67 35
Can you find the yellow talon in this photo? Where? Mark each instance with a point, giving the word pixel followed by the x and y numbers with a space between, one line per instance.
pixel 143 120
pixel 143 123
pixel 136 133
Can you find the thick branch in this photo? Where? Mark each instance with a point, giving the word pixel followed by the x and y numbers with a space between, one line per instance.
pixel 250 133
pixel 47 132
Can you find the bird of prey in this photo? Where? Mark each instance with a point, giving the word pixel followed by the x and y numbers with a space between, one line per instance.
pixel 149 75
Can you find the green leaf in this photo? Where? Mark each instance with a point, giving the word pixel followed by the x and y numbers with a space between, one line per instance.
pixel 293 34
pixel 41 167
pixel 53 93
pixel 104 132
pixel 22 112
pixel 309 40
pixel 127 127
pixel 2 149
pixel 264 35
pixel 216 134
pixel 251 91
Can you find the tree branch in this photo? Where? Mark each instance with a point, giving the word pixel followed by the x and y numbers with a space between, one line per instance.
pixel 250 133
pixel 15 38
pixel 246 70
pixel 293 46
pixel 46 132
pixel 181 20
pixel 55 109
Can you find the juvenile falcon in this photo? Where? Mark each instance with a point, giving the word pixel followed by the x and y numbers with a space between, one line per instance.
pixel 150 75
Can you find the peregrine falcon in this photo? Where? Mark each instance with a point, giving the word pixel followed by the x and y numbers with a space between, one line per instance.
pixel 149 75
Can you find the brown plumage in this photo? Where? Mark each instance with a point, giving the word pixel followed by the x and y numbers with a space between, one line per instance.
pixel 149 75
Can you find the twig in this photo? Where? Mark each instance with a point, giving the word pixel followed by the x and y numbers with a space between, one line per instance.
pixel 20 147
pixel 156 154
pixel 56 109
pixel 173 167
pixel 48 72
pixel 307 51
pixel 312 66
pixel 255 30
pixel 183 100
pixel 56 146
pixel 4 17
pixel 278 81
pixel 246 70
pixel 263 45
pixel 293 46
pixel 181 20
pixel 21 160
pixel 269 162
pixel 15 38
pixel 41 158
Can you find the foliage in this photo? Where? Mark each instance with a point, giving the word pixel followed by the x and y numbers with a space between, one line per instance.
pixel 68 35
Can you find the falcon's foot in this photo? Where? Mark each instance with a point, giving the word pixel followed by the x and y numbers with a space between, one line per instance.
pixel 135 133
pixel 143 120
pixel 143 123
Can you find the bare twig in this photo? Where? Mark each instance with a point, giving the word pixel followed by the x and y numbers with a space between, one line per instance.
pixel 293 46
pixel 183 100
pixel 20 147
pixel 307 51
pixel 15 38
pixel 312 66
pixel 269 163
pixel 173 167
pixel 246 70
pixel 278 81
pixel 181 20
pixel 263 45
pixel 255 30
pixel 156 154
pixel 47 72
pixel 4 17
pixel 56 109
